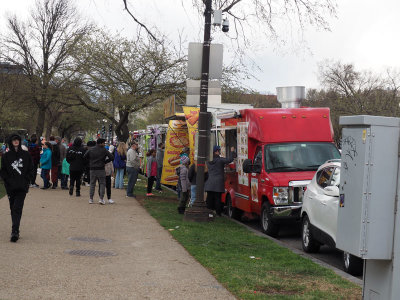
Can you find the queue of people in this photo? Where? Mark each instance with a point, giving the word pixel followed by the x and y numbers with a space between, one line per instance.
pixel 99 163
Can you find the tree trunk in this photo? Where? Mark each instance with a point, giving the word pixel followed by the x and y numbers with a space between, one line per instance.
pixel 40 121
pixel 122 132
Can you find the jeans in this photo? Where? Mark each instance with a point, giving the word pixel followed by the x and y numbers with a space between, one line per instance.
pixel 46 178
pixel 16 199
pixel 119 178
pixel 132 178
pixel 75 179
pixel 54 175
pixel 64 180
pixel 158 183
pixel 99 175
pixel 192 194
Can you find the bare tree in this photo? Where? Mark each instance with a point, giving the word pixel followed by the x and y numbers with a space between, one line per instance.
pixel 42 45
pixel 119 76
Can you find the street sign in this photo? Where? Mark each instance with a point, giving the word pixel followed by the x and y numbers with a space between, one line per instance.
pixel 195 58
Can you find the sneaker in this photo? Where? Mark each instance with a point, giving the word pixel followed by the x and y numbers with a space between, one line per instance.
pixel 102 202
pixel 31 186
pixel 149 194
pixel 35 185
pixel 111 201
pixel 91 201
pixel 87 184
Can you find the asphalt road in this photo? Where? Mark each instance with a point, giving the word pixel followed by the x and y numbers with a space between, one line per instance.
pixel 291 236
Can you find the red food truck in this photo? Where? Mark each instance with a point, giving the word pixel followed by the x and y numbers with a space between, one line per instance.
pixel 279 150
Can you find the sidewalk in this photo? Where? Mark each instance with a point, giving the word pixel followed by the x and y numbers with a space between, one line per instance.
pixel 147 263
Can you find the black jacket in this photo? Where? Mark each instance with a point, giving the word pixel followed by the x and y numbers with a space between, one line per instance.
pixel 97 157
pixel 16 168
pixel 55 155
pixel 193 175
pixel 216 174
pixel 75 157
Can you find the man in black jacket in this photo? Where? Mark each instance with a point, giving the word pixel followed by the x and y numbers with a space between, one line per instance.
pixel 77 165
pixel 215 185
pixel 98 156
pixel 17 172
pixel 55 161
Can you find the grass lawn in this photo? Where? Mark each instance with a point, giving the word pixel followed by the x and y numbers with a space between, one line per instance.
pixel 249 266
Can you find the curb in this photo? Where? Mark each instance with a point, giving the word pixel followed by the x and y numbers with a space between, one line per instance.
pixel 339 272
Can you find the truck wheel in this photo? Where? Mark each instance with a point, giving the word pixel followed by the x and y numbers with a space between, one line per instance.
pixel 267 225
pixel 310 245
pixel 352 264
pixel 233 212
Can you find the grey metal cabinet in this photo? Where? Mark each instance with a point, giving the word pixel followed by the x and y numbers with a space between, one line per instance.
pixel 368 186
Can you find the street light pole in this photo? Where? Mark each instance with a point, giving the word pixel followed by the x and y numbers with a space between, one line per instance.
pixel 199 212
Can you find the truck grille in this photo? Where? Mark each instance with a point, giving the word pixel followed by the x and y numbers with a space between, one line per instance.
pixel 296 194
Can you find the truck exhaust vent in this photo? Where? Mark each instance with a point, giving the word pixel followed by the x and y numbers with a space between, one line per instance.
pixel 291 96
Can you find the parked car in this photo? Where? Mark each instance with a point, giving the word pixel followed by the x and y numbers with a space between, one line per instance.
pixel 320 213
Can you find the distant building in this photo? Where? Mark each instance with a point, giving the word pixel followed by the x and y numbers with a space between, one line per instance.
pixel 6 68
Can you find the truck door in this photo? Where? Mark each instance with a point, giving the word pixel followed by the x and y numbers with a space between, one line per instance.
pixel 255 179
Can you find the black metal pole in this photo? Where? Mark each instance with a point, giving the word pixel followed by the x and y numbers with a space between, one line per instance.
pixel 199 212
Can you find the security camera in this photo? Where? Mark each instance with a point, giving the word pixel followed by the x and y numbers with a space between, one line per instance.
pixel 225 25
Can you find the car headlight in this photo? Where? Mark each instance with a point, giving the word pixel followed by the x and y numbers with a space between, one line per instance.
pixel 281 195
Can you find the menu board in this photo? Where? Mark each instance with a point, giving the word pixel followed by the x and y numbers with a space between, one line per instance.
pixel 242 151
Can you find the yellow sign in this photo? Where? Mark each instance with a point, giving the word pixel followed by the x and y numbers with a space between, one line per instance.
pixel 177 139
pixel 192 120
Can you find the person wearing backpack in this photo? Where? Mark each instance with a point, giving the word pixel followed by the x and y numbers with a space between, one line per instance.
pixel 77 166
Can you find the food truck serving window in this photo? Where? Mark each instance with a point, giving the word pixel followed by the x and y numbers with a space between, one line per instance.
pixel 298 156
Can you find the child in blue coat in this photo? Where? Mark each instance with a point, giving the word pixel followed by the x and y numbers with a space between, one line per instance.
pixel 45 164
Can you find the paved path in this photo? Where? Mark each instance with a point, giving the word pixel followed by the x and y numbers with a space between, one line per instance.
pixel 149 263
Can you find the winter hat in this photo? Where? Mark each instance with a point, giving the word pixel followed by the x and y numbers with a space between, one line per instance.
pixel 216 148
pixel 185 160
pixel 13 137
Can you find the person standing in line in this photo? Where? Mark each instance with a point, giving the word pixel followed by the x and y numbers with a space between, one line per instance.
pixel 132 168
pixel 185 183
pixel 160 160
pixel 45 165
pixel 120 165
pixel 109 173
pixel 151 171
pixel 64 174
pixel 55 162
pixel 34 151
pixel 63 154
pixel 89 145
pixel 215 185
pixel 17 172
pixel 192 178
pixel 77 165
pixel 97 159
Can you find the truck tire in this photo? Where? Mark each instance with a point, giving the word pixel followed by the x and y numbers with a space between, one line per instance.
pixel 267 225
pixel 309 244
pixel 233 212
pixel 352 264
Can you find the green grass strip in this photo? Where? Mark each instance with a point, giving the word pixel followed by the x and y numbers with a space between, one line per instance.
pixel 225 249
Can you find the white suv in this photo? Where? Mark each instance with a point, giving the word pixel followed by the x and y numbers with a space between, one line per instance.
pixel 320 211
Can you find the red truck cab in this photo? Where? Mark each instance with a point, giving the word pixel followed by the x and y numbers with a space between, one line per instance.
pixel 279 150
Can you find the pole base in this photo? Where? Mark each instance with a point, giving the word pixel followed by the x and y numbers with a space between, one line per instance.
pixel 199 214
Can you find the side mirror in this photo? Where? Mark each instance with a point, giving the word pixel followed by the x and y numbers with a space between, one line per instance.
pixel 332 191
pixel 248 167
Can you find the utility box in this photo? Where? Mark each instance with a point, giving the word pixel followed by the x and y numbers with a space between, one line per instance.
pixel 368 183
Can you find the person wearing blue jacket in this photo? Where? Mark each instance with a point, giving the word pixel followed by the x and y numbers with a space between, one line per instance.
pixel 45 164
pixel 120 165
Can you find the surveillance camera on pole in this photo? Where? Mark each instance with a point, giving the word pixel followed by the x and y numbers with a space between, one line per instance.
pixel 225 25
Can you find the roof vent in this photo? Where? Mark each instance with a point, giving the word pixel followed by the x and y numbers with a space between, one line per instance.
pixel 291 96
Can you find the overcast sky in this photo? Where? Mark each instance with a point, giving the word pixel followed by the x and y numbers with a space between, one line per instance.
pixel 365 33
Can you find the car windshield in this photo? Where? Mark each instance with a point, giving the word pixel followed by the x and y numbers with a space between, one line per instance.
pixel 298 156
